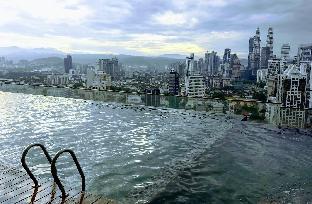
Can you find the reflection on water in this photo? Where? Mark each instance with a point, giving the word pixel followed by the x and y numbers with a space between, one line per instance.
pixel 145 99
pixel 120 147
pixel 138 154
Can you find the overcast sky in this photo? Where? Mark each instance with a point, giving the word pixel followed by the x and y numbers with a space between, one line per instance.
pixel 152 27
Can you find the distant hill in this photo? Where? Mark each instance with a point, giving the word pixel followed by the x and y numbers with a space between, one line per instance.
pixel 148 61
pixel 52 56
pixel 48 61
pixel 174 56
pixel 125 59
pixel 17 53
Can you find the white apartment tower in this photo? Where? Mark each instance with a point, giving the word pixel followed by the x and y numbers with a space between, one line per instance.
pixel 194 82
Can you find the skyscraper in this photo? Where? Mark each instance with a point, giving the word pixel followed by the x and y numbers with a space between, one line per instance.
pixel 200 65
pixel 226 64
pixel 270 41
pixel 265 56
pixel 174 85
pixel 267 51
pixel 235 67
pixel 110 66
pixel 276 66
pixel 291 93
pixel 304 58
pixel 227 56
pixel 285 50
pixel 305 53
pixel 212 62
pixel 251 42
pixel 254 54
pixel 68 63
pixel 189 62
pixel 194 82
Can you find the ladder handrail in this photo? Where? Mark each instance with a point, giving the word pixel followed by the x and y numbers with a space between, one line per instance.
pixel 56 178
pixel 23 160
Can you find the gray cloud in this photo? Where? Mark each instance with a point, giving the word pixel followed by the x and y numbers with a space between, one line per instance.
pixel 124 26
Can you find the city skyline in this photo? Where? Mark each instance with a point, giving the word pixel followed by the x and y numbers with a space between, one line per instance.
pixel 143 28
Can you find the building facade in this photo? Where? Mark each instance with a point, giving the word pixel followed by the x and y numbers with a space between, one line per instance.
pixel 174 83
pixel 270 42
pixel 265 57
pixel 211 64
pixel 195 86
pixel 97 79
pixel 68 63
pixel 276 66
pixel 189 63
pixel 110 67
pixel 289 103
pixel 254 54
pixel 285 50
pixel 235 67
pixel 262 75
pixel 304 53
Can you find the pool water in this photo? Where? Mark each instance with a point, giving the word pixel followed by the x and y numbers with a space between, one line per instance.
pixel 137 154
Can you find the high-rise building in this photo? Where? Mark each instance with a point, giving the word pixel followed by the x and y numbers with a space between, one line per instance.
pixel 226 64
pixel 291 93
pixel 211 65
pixel 288 102
pixel 194 82
pixel 305 53
pixel 306 69
pixel 195 86
pixel 179 67
pixel 226 70
pixel 270 41
pixel 235 66
pixel 285 50
pixel 111 67
pixel 68 63
pixel 189 63
pixel 276 66
pixel 195 67
pixel 200 65
pixel 265 56
pixel 227 56
pixel 181 70
pixel 254 54
pixel 174 84
pixel 251 42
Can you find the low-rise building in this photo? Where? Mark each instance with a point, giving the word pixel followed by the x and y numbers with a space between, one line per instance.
pixel 98 80
pixel 57 79
pixel 236 103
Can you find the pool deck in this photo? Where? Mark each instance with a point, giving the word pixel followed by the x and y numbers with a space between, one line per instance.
pixel 17 187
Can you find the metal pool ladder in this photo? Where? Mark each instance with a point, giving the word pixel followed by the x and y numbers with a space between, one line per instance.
pixel 15 186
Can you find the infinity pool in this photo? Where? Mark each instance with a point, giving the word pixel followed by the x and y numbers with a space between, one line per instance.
pixel 136 154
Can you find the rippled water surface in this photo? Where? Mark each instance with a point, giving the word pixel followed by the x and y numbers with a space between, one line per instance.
pixel 138 154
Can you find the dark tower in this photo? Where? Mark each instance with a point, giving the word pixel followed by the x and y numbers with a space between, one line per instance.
pixel 68 63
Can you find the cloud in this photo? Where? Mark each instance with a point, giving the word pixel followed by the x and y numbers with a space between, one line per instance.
pixel 170 18
pixel 149 27
pixel 48 11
